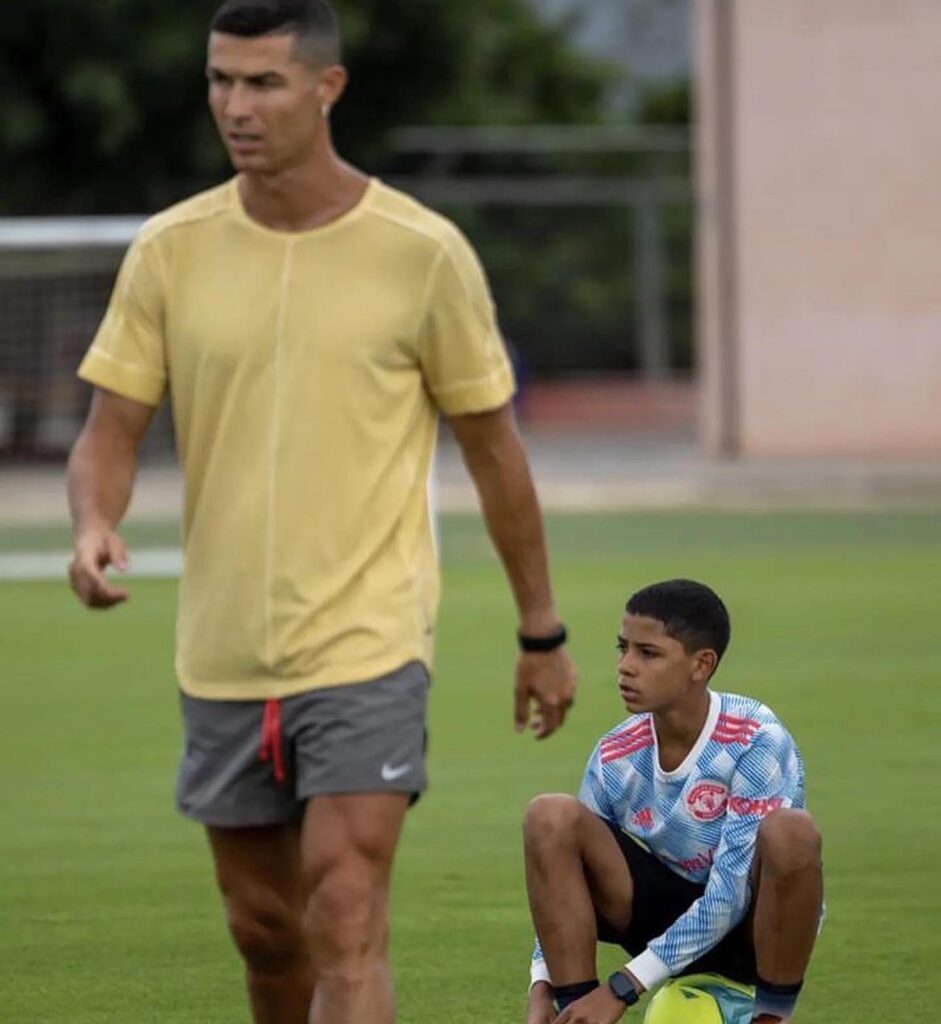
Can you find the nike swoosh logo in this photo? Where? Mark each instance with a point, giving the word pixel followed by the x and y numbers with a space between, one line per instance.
pixel 390 774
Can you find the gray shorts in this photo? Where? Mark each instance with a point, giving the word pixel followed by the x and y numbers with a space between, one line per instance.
pixel 248 763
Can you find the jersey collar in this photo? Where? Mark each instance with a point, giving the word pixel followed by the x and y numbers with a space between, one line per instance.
pixel 685 766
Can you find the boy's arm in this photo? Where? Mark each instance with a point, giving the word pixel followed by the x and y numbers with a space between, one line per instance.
pixel 540 1008
pixel 767 777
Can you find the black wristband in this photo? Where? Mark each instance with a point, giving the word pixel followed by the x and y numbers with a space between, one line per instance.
pixel 542 644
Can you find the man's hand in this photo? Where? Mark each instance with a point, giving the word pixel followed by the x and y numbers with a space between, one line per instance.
pixel 546 680
pixel 493 451
pixel 95 550
pixel 541 1009
pixel 601 1006
pixel 100 480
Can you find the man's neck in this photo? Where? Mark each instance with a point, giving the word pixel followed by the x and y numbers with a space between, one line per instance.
pixel 301 198
pixel 678 728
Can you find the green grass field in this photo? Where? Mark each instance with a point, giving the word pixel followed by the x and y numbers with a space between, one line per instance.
pixel 107 908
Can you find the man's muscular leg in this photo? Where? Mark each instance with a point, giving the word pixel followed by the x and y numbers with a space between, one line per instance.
pixel 259 875
pixel 348 844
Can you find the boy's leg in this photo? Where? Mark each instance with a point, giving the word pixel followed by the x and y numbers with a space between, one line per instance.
pixel 788 886
pixel 575 874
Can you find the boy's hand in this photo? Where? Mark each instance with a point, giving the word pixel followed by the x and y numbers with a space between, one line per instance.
pixel 540 1009
pixel 601 1006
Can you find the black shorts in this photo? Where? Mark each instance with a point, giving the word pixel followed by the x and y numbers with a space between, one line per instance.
pixel 660 897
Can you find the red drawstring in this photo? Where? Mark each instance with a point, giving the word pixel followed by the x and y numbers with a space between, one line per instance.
pixel 271 739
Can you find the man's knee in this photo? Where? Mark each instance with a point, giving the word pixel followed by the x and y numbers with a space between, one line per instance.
pixel 789 841
pixel 550 820
pixel 346 914
pixel 266 932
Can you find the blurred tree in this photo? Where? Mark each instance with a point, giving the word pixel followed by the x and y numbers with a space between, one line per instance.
pixel 668 103
pixel 104 107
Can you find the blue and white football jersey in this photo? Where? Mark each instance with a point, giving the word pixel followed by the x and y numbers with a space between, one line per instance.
pixel 700 819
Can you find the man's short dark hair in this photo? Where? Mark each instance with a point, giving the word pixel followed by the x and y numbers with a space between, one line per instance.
pixel 313 22
pixel 690 612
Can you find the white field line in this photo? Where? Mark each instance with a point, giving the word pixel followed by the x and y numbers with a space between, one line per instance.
pixel 150 563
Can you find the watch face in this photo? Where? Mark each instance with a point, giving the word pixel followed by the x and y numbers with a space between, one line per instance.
pixel 622 987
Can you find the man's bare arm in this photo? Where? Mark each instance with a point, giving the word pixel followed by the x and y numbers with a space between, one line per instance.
pixel 493 452
pixel 100 481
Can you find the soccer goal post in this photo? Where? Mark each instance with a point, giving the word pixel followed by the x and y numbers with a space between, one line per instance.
pixel 55 278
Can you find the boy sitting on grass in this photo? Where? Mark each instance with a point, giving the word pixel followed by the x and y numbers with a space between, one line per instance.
pixel 688 844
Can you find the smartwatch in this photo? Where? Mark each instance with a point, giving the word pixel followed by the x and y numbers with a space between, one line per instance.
pixel 622 986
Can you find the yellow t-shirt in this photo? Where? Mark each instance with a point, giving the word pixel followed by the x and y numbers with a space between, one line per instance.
pixel 305 372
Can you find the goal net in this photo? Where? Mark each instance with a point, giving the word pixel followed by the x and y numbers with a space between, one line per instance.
pixel 55 279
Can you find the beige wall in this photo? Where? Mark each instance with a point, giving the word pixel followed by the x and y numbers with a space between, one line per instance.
pixel 819 154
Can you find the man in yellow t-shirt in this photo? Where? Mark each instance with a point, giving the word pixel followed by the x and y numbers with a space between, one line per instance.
pixel 308 324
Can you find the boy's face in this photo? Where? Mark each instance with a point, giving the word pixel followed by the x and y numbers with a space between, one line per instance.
pixel 655 672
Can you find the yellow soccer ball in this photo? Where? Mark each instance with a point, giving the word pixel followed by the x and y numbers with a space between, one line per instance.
pixel 701 999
